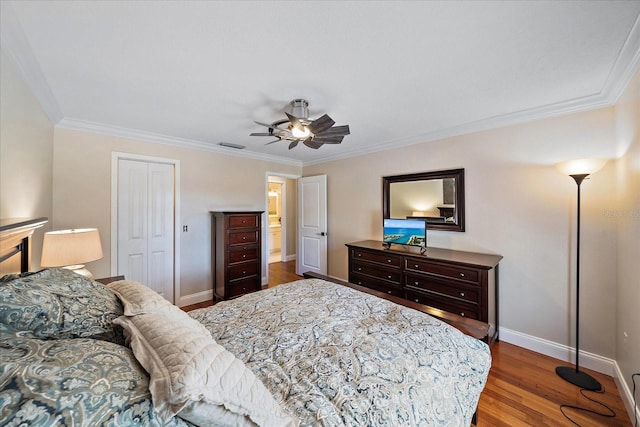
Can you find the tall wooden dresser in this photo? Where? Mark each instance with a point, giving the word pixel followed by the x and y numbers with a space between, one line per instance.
pixel 464 283
pixel 236 253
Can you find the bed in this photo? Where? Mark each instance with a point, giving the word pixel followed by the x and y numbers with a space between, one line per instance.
pixel 310 352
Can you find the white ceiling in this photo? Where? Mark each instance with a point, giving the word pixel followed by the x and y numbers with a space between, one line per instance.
pixel 196 73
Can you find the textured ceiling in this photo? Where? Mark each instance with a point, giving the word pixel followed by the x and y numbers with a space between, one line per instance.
pixel 199 73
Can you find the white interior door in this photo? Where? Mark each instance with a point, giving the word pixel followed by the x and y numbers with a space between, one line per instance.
pixel 312 225
pixel 146 224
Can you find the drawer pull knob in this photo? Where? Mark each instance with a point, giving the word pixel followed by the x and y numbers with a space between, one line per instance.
pixel 415 266
pixel 359 268
pixel 244 238
pixel 388 260
pixel 462 314
pixel 359 282
pixel 461 294
pixel 244 272
pixel 388 292
pixel 244 256
pixel 389 276
pixel 416 283
pixel 417 300
pixel 461 274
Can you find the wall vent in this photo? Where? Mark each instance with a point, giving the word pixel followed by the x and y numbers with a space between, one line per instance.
pixel 230 145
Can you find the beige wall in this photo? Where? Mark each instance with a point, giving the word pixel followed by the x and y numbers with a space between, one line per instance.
pixel 208 182
pixel 517 205
pixel 627 216
pixel 26 160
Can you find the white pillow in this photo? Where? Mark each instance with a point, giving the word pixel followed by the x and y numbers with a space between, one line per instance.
pixel 138 299
pixel 192 373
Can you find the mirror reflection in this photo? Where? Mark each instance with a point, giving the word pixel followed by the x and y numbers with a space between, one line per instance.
pixel 437 197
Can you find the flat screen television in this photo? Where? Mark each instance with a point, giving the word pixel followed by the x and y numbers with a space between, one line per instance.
pixel 412 232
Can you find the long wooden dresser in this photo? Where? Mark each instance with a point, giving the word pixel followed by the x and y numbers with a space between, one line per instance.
pixel 236 253
pixel 464 283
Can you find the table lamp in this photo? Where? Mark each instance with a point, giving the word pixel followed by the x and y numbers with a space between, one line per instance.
pixel 71 249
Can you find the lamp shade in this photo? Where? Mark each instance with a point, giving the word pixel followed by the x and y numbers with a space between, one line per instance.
pixel 581 166
pixel 69 247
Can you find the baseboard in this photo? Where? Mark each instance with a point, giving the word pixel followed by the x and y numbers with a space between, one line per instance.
pixel 626 394
pixel 196 298
pixel 601 364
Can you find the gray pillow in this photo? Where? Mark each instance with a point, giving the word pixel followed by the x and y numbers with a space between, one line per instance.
pixel 58 303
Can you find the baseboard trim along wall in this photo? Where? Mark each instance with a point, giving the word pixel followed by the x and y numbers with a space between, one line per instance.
pixel 196 298
pixel 601 364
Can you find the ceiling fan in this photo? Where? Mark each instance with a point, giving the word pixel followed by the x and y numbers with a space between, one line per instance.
pixel 298 127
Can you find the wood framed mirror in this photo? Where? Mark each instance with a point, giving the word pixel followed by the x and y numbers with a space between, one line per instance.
pixel 437 197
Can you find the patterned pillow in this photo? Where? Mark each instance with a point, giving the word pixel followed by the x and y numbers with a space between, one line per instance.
pixel 58 303
pixel 73 382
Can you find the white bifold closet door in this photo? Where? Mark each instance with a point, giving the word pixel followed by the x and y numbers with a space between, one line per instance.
pixel 146 224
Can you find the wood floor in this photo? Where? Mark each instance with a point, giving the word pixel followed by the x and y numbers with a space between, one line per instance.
pixel 523 388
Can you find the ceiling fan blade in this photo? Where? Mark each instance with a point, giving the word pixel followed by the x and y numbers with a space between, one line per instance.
pixel 293 144
pixel 335 131
pixel 264 124
pixel 312 143
pixel 272 142
pixel 328 139
pixel 321 124
pixel 295 122
pixel 261 134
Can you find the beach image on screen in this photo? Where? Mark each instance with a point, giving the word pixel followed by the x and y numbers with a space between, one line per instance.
pixel 404 232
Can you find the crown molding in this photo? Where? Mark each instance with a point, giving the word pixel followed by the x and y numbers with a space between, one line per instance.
pixel 17 48
pixel 138 135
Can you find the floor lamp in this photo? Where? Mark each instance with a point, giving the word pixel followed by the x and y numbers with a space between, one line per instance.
pixel 579 170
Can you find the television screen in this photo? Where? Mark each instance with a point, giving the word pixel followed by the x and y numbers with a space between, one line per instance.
pixel 405 232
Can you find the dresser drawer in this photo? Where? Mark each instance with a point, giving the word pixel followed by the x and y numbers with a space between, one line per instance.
pixel 243 221
pixel 443 303
pixel 239 271
pixel 242 287
pixel 460 273
pixel 379 272
pixel 243 253
pixel 243 238
pixel 453 289
pixel 379 258
pixel 377 285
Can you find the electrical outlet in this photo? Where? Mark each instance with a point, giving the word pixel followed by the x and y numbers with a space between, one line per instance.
pixel 185 228
pixel 625 339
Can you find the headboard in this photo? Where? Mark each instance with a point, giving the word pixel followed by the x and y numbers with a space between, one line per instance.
pixel 15 236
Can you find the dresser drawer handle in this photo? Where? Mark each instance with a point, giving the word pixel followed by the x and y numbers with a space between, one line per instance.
pixel 461 274
pixel 462 314
pixel 461 294
pixel 244 256
pixel 360 255
pixel 416 283
pixel 359 268
pixel 416 266
pixel 244 272
pixel 388 260
pixel 359 282
pixel 244 289
pixel 388 292
pixel 417 300
pixel 244 237
pixel 389 276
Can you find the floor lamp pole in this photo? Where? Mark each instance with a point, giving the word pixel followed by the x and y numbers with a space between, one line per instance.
pixel 575 375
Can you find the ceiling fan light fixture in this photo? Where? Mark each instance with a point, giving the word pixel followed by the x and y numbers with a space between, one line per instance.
pixel 301 133
pixel 298 127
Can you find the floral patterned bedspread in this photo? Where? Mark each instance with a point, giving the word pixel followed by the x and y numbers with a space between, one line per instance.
pixel 334 356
